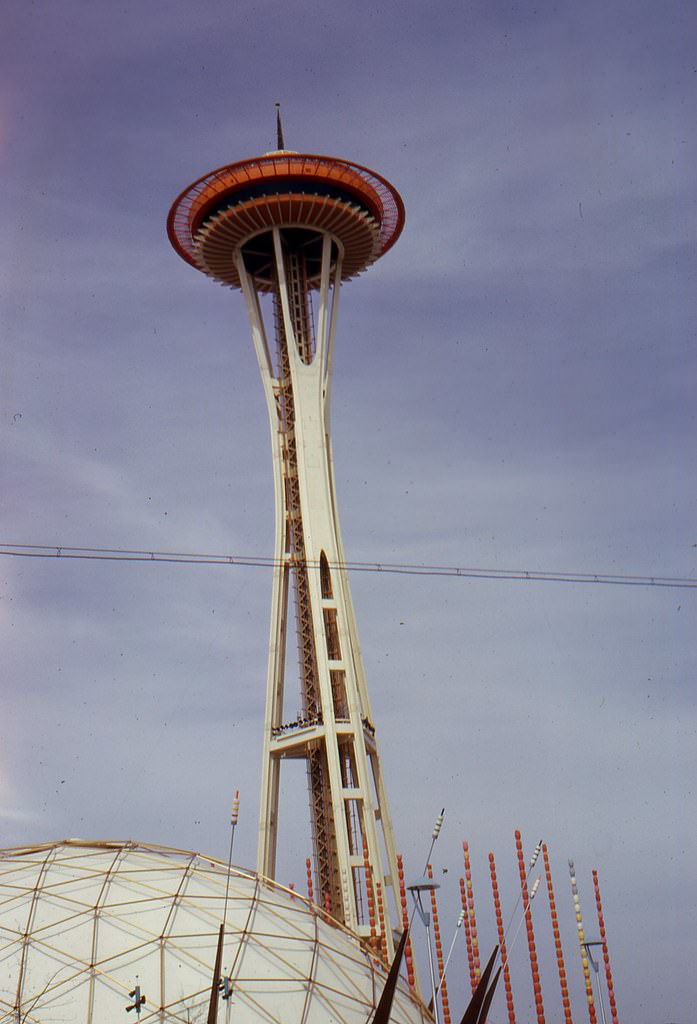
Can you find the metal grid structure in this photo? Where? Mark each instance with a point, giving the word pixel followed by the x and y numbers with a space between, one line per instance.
pixel 82 923
pixel 287 229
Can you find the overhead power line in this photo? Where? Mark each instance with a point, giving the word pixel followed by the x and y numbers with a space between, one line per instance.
pixel 404 569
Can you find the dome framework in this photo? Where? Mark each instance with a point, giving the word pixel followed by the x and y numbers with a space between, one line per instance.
pixel 82 923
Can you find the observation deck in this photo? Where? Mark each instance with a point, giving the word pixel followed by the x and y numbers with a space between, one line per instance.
pixel 238 205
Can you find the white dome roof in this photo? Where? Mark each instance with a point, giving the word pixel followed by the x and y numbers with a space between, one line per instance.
pixel 79 921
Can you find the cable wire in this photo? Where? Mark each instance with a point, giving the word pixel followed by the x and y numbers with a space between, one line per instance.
pixel 405 569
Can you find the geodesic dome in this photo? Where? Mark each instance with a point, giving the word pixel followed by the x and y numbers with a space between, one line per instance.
pixel 82 923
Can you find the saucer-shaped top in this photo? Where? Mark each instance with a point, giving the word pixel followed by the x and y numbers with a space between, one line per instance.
pixel 222 211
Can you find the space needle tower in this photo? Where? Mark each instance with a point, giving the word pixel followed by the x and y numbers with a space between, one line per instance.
pixel 287 229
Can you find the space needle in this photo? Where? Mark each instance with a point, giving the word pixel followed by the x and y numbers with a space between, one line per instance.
pixel 287 229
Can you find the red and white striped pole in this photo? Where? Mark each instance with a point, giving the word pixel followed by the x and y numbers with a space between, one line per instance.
pixel 382 940
pixel 310 892
pixel 470 910
pixel 534 970
pixel 370 897
pixel 557 939
pixel 468 935
pixel 502 941
pixel 439 954
pixel 606 955
pixel 408 956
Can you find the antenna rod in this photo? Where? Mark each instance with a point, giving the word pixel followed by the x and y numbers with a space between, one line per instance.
pixel 434 835
pixel 233 826
pixel 533 894
pixel 461 918
pixel 279 128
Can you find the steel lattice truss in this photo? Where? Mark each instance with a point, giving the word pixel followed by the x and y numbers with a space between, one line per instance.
pixel 79 921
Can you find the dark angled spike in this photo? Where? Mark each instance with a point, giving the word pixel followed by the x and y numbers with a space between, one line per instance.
pixel 279 128
pixel 213 1005
pixel 487 999
pixel 382 1013
pixel 471 1015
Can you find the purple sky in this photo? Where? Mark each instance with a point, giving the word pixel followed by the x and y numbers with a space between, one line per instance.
pixel 514 388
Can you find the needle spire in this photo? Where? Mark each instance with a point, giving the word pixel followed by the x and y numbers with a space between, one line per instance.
pixel 279 129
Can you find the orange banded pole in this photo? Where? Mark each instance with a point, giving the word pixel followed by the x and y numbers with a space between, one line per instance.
pixel 310 891
pixel 534 970
pixel 370 896
pixel 405 921
pixel 439 953
pixel 382 941
pixel 557 939
pixel 470 907
pixel 581 942
pixel 502 941
pixel 606 955
pixel 468 936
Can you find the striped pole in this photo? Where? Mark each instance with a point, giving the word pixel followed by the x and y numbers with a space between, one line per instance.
pixel 234 817
pixel 382 940
pixel 534 970
pixel 371 899
pixel 470 908
pixel 408 956
pixel 557 939
pixel 606 955
pixel 468 935
pixel 439 954
pixel 502 940
pixel 310 891
pixel 581 942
